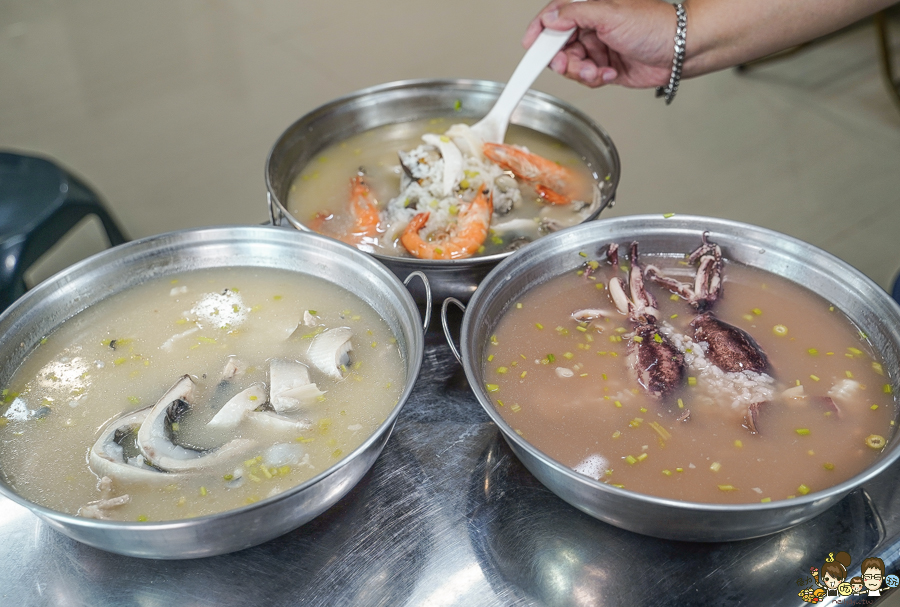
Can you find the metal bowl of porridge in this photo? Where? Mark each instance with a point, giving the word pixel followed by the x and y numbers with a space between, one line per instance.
pixel 460 101
pixel 864 303
pixel 25 326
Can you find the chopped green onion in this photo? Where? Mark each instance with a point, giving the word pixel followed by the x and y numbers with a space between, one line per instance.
pixel 875 441
pixel 663 433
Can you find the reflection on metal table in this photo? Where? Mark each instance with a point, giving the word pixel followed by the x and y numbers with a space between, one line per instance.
pixel 448 516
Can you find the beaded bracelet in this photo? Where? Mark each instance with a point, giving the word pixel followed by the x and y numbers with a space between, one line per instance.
pixel 678 59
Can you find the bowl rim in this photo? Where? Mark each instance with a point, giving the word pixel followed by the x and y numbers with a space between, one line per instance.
pixel 170 240
pixel 506 271
pixel 469 84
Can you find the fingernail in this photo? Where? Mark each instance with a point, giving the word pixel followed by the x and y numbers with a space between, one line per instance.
pixel 551 16
pixel 557 65
pixel 609 76
pixel 588 72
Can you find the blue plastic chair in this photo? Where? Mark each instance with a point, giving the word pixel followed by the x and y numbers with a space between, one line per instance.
pixel 39 203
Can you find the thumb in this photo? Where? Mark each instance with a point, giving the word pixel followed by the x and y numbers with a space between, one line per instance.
pixel 585 15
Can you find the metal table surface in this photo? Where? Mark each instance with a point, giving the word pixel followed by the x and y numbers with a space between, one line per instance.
pixel 448 516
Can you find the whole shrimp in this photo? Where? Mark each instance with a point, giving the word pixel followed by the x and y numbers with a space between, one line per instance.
pixel 461 240
pixel 363 211
pixel 554 183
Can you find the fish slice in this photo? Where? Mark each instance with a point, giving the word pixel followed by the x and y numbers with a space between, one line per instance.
pixel 492 128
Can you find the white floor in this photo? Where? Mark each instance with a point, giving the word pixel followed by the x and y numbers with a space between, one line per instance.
pixel 169 109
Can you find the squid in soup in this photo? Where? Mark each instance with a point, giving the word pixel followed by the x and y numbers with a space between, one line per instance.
pixel 696 378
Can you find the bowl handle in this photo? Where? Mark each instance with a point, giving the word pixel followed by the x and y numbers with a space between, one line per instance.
pixel 458 304
pixel 427 295
pixel 277 213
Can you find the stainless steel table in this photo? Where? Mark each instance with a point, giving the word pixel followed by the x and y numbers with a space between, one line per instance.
pixel 448 516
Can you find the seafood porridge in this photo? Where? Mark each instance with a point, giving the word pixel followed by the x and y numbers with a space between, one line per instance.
pixel 196 394
pixel 403 190
pixel 690 378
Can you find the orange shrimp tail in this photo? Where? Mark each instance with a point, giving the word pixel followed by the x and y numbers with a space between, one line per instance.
pixel 411 240
pixel 363 211
pixel 316 223
pixel 565 183
pixel 550 196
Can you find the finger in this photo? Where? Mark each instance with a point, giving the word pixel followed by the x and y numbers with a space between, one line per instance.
pixel 583 15
pixel 532 32
pixel 536 26
pixel 559 63
pixel 594 48
pixel 576 49
pixel 588 73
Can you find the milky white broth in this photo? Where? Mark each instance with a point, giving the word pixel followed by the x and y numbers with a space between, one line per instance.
pixel 75 382
pixel 322 186
pixel 597 420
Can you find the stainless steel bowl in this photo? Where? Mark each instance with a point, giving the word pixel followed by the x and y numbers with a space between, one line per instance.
pixel 866 304
pixel 399 102
pixel 59 298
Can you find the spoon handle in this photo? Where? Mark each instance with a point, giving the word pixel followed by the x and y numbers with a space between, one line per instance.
pixel 493 126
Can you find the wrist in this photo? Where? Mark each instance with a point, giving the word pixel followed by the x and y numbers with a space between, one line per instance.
pixel 669 89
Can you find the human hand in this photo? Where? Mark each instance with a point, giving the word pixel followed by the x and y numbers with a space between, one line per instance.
pixel 626 42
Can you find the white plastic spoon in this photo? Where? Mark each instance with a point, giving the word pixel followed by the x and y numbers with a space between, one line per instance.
pixel 492 128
